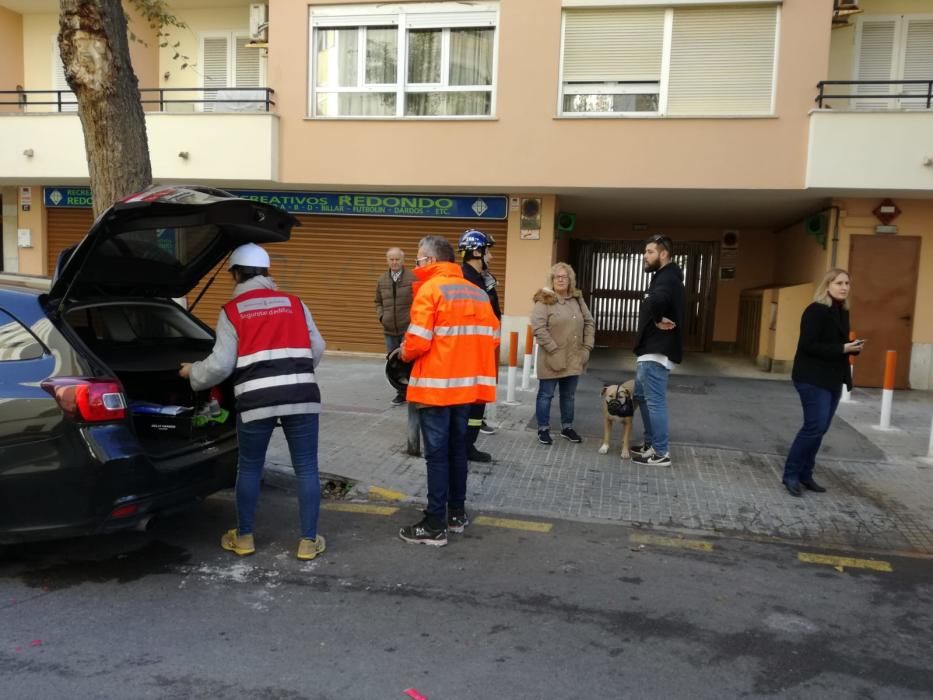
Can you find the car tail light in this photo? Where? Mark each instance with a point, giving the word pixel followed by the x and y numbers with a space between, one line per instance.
pixel 125 511
pixel 88 400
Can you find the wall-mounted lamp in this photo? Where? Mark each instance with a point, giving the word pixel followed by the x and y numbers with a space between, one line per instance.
pixel 183 155
pixel 29 153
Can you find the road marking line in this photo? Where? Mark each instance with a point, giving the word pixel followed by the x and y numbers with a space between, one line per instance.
pixel 360 508
pixel 676 542
pixel 841 563
pixel 513 524
pixel 386 494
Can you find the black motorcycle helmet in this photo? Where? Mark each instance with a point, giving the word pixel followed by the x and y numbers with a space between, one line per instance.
pixel 397 371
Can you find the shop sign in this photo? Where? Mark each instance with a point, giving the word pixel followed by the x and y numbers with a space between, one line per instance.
pixel 339 204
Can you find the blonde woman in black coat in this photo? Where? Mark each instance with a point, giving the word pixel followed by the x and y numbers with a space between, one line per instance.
pixel 821 367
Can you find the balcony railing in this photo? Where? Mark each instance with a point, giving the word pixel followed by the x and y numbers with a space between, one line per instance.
pixel 878 94
pixel 227 99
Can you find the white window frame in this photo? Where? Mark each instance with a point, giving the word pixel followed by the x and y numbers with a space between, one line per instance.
pixel 670 6
pixel 898 56
pixel 437 16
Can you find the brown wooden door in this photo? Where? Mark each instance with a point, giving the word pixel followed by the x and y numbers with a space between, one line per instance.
pixel 613 281
pixel 884 289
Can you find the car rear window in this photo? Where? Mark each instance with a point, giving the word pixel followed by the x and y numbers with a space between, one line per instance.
pixel 133 323
pixel 16 341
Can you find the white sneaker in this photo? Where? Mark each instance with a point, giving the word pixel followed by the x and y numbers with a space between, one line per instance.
pixel 642 451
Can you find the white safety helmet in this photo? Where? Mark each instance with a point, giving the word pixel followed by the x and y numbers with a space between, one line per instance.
pixel 249 255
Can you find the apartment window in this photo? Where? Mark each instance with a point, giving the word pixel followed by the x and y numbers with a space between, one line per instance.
pixel 669 61
pixel 893 47
pixel 226 62
pixel 428 60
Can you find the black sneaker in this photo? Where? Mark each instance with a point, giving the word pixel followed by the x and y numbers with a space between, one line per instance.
pixel 654 459
pixel 570 434
pixel 398 400
pixel 423 533
pixel 544 437
pixel 487 429
pixel 642 450
pixel 474 455
pixel 457 520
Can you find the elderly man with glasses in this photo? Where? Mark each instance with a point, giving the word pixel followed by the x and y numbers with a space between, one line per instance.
pixel 659 346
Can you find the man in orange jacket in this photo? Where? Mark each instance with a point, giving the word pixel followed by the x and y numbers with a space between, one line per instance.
pixel 451 340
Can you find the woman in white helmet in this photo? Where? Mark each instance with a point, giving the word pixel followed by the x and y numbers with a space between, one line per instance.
pixel 268 341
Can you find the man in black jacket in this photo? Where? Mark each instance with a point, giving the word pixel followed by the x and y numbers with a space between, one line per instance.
pixel 474 248
pixel 659 346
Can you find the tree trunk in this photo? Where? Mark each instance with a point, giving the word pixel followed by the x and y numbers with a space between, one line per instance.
pixel 96 55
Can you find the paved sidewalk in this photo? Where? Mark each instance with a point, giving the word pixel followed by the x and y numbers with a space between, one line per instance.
pixel 879 493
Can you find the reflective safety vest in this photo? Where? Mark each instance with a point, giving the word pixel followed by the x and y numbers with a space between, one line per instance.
pixel 274 373
pixel 452 340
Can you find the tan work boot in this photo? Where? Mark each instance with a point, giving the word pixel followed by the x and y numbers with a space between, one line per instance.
pixel 238 544
pixel 308 549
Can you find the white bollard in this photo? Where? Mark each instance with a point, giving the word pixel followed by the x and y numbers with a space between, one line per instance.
pixel 527 360
pixel 513 369
pixel 887 398
pixel 510 392
pixel 887 394
pixel 846 395
pixel 930 448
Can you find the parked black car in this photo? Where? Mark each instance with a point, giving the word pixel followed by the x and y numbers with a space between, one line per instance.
pixel 106 340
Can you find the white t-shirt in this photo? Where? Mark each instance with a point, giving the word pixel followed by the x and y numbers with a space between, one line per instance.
pixel 659 358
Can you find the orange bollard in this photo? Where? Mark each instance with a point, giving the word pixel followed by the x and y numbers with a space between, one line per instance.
pixel 529 340
pixel 887 394
pixel 513 349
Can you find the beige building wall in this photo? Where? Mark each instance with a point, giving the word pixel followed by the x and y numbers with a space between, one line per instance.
pixel 34 260
pixel 798 257
pixel 11 55
pixel 525 145
pixel 39 37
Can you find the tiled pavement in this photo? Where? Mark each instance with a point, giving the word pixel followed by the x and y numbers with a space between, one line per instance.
pixel 871 505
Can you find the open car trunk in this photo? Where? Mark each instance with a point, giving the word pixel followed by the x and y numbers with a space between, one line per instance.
pixel 143 343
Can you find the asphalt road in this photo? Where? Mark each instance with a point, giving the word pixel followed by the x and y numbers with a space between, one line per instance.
pixel 582 611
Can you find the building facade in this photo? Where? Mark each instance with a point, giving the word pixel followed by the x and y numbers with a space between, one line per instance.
pixel 569 129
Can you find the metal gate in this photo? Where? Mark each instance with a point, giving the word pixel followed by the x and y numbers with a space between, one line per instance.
pixel 611 276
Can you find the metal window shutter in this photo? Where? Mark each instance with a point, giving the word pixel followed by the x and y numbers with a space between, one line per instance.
pixel 613 44
pixel 333 262
pixel 875 61
pixel 65 227
pixel 722 60
pixel 918 59
pixel 427 20
pixel 215 68
pixel 69 99
pixel 246 71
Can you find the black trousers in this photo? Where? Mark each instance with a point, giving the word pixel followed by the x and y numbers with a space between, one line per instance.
pixel 477 411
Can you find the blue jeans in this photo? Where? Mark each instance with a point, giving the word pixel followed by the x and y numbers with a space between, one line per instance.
pixel 546 389
pixel 819 407
pixel 445 429
pixel 651 394
pixel 301 432
pixel 392 341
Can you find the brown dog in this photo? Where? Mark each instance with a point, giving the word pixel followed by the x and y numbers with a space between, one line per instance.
pixel 617 392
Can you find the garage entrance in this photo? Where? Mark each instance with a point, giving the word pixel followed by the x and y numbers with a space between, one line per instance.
pixel 613 282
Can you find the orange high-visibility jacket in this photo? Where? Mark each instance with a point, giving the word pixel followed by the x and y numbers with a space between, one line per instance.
pixel 452 339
